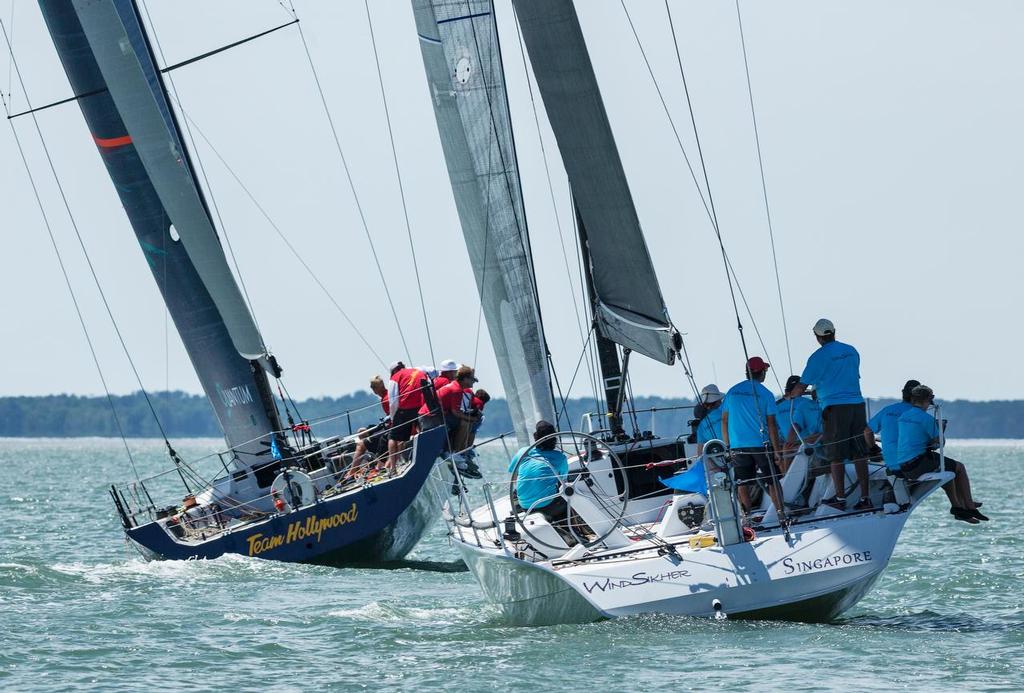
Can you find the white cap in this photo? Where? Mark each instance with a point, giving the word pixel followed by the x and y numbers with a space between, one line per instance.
pixel 448 365
pixel 395 365
pixel 428 371
pixel 824 327
pixel 710 393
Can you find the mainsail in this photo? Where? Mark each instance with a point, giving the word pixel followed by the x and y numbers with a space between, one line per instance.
pixel 628 305
pixel 106 54
pixel 459 41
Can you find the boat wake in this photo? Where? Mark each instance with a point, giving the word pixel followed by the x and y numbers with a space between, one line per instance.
pixel 931 621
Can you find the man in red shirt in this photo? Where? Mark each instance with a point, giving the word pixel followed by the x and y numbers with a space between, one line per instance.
pixel 460 417
pixel 405 397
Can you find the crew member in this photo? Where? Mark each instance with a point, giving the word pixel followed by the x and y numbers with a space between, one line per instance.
pixel 919 435
pixel 448 369
pixel 834 370
pixel 710 426
pixel 539 479
pixel 372 440
pixel 405 396
pixel 748 426
pixel 886 424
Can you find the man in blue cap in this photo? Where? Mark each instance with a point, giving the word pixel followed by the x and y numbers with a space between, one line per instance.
pixel 834 370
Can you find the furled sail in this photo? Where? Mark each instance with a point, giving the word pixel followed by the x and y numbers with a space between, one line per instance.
pixel 462 57
pixel 628 306
pixel 106 54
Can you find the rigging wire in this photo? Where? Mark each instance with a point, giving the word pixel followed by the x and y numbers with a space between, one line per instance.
pixel 398 175
pixel 60 260
pixel 764 185
pixel 351 182
pixel 85 253
pixel 284 239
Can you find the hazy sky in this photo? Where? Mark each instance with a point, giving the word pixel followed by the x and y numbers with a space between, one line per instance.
pixel 893 151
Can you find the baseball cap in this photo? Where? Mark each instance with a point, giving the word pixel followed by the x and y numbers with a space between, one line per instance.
pixel 428 371
pixel 395 365
pixel 791 382
pixel 710 393
pixel 824 327
pixel 756 364
pixel 448 365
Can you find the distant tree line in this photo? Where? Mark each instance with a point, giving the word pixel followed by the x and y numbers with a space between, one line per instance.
pixel 184 415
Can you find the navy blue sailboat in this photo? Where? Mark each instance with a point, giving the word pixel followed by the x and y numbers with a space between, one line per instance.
pixel 278 494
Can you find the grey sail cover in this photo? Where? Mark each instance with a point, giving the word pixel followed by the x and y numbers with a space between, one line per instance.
pixel 459 42
pixel 629 306
pixel 144 110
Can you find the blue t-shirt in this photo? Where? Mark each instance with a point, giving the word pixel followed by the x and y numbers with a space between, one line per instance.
pixel 784 419
pixel 807 417
pixel 917 429
pixel 834 369
pixel 537 475
pixel 886 422
pixel 710 427
pixel 749 405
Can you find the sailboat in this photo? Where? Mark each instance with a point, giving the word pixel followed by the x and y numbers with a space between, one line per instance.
pixel 278 494
pixel 628 544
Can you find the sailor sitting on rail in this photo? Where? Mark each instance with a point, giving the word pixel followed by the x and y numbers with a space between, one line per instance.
pixel 919 436
pixel 885 423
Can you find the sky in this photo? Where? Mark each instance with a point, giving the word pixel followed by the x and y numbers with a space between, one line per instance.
pixel 893 159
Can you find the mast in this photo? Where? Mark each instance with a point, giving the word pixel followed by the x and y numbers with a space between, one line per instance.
pixel 106 54
pixel 628 306
pixel 462 58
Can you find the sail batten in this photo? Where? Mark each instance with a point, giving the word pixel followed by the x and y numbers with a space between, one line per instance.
pixel 628 305
pixel 106 57
pixel 462 57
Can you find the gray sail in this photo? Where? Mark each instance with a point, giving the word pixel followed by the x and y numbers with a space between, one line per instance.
pixel 629 308
pixel 106 56
pixel 459 42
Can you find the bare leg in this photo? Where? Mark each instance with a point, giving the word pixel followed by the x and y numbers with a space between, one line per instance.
pixel 963 487
pixel 744 495
pixel 950 488
pixel 394 448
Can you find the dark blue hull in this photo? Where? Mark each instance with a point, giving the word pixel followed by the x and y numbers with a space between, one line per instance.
pixel 376 523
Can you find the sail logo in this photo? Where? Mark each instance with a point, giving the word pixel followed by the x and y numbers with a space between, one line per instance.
pixel 636 580
pixel 791 566
pixel 232 397
pixel 312 527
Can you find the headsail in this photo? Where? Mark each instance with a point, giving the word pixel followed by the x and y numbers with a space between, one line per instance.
pixel 106 53
pixel 462 57
pixel 629 308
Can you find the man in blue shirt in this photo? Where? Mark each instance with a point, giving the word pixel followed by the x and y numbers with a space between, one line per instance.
pixel 539 478
pixel 919 435
pixel 710 427
pixel 799 420
pixel 834 371
pixel 885 423
pixel 748 427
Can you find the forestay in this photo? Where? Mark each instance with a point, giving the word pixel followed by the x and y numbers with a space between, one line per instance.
pixel 106 54
pixel 459 42
pixel 629 307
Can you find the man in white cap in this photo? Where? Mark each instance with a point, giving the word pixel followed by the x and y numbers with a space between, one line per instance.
pixel 710 427
pixel 447 370
pixel 834 371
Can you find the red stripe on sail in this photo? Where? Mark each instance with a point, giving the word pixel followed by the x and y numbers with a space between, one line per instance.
pixel 111 142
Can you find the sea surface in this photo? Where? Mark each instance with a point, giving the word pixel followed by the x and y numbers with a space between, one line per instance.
pixel 80 611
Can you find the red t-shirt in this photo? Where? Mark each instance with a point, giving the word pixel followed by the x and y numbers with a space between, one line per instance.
pixel 385 404
pixel 478 403
pixel 450 397
pixel 410 393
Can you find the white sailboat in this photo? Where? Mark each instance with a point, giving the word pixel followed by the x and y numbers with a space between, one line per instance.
pixel 648 550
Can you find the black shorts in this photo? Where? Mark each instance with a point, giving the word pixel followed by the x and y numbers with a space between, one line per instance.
pixel 753 463
pixel 376 440
pixel 923 464
pixel 843 435
pixel 401 425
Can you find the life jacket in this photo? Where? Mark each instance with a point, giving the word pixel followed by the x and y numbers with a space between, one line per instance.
pixel 410 387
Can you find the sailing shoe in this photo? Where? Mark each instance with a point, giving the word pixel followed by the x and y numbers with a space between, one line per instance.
pixel 864 504
pixel 977 513
pixel 964 515
pixel 835 502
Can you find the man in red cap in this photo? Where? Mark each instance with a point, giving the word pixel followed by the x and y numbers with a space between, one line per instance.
pixel 750 432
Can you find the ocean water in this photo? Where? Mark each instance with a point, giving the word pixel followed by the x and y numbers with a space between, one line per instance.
pixel 79 611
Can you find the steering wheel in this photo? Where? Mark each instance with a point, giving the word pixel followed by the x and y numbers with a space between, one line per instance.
pixel 586 448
